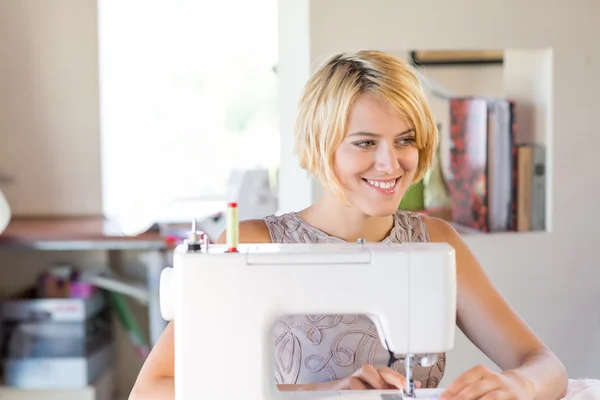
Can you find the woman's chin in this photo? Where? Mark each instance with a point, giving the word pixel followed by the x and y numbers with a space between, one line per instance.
pixel 379 210
pixel 374 204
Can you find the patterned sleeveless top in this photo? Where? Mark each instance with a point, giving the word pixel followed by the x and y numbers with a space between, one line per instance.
pixel 321 348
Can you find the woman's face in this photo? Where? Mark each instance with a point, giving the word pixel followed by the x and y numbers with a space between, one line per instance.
pixel 377 159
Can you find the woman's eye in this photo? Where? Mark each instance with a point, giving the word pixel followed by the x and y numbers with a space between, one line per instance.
pixel 365 143
pixel 406 141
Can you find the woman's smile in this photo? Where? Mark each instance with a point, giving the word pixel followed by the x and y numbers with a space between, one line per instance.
pixel 383 186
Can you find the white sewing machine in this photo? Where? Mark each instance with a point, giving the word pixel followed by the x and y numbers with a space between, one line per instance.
pixel 225 304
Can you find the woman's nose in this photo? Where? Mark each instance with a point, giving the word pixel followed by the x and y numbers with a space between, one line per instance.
pixel 386 160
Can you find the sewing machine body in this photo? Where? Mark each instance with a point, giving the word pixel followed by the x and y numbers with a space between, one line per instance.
pixel 225 305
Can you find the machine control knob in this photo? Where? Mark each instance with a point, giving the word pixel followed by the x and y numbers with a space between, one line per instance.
pixel 166 293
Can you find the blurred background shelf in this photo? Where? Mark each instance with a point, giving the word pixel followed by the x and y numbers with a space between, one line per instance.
pixel 72 233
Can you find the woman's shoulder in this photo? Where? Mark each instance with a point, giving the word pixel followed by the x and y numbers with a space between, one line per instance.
pixel 250 231
pixel 439 229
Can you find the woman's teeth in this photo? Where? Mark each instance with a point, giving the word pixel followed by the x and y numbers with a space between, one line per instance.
pixel 383 185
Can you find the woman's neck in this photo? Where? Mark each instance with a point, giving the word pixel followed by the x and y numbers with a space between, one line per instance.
pixel 334 218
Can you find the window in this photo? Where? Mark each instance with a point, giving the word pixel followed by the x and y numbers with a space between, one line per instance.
pixel 188 92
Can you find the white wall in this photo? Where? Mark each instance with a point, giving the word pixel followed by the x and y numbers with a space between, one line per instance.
pixel 49 120
pixel 550 278
pixel 295 188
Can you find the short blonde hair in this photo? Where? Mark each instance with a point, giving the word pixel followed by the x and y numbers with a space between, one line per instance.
pixel 329 96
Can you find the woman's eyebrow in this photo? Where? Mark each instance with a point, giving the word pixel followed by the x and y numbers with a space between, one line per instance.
pixel 371 134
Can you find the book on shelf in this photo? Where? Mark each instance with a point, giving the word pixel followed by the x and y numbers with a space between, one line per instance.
pixel 487 185
pixel 531 191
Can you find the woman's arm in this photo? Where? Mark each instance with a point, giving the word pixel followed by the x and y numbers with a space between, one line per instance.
pixel 486 318
pixel 155 380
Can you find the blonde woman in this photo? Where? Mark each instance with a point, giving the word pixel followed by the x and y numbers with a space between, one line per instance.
pixel 364 129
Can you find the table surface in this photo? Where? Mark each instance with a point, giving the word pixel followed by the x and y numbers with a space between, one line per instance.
pixel 74 233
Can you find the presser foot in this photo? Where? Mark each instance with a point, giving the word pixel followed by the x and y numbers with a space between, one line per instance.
pixel 404 395
pixel 409 392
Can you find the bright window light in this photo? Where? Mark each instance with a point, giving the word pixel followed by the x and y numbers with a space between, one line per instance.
pixel 188 93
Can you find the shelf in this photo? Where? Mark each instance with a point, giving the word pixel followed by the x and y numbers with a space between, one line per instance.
pixel 74 233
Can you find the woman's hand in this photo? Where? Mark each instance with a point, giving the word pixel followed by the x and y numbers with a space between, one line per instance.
pixel 481 383
pixel 366 378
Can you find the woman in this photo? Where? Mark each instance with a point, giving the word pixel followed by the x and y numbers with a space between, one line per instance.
pixel 364 129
